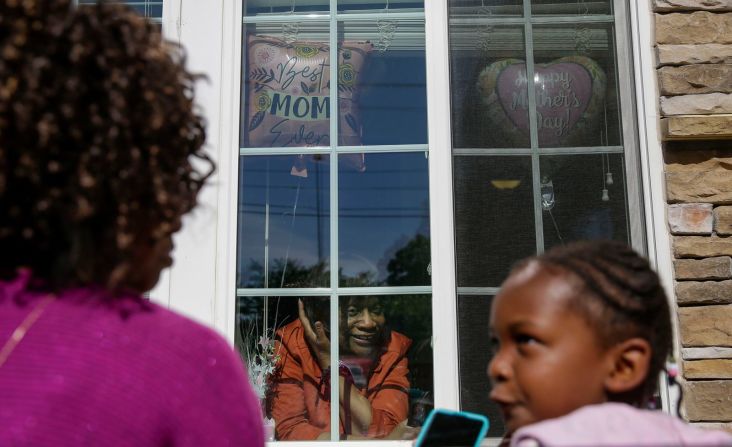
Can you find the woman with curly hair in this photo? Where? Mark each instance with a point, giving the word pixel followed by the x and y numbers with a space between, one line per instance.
pixel 100 157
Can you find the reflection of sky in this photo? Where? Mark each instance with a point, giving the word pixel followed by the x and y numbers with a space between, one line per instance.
pixel 381 209
pixel 298 214
pixel 393 99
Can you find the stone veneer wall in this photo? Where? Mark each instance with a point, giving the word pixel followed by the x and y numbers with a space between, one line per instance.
pixel 694 55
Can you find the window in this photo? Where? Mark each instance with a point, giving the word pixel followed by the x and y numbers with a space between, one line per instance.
pixel 429 189
pixel 148 8
pixel 333 214
pixel 540 157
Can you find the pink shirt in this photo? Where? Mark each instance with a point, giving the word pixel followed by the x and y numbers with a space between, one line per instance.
pixel 123 372
pixel 616 424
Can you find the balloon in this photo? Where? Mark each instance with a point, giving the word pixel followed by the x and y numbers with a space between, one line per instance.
pixel 570 93
pixel 288 92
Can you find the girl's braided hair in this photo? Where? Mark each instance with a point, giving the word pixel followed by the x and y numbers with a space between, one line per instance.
pixel 98 140
pixel 628 299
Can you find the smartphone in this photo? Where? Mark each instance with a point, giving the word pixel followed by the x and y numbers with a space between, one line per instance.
pixel 448 428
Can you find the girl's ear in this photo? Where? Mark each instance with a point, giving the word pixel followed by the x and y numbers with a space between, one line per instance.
pixel 630 362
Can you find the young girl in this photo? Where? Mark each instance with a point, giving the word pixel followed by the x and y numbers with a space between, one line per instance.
pixel 583 324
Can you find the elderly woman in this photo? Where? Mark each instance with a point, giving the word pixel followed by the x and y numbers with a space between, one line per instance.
pixel 376 407
pixel 98 135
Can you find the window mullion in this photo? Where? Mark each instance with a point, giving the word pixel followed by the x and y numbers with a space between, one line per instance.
pixel 533 128
pixel 442 221
pixel 334 118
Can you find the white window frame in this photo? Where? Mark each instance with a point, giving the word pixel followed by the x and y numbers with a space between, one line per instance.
pixel 201 282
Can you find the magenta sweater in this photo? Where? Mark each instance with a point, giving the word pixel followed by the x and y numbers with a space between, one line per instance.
pixel 131 373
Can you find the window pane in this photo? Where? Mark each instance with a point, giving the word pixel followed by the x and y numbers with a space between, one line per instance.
pixel 538 149
pixel 475 352
pixel 387 347
pixel 286 86
pixel 383 202
pixel 383 99
pixel 283 225
pixel 459 9
pixel 278 7
pixel 148 8
pixel 386 350
pixel 489 108
pixel 494 217
pixel 571 8
pixel 576 85
pixel 382 230
pixel 283 371
pixel 380 6
pixel 585 198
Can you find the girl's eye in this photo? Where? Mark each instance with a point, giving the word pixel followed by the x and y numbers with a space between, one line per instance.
pixel 524 339
pixel 352 312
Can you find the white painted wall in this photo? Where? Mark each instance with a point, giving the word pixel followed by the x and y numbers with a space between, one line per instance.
pixel 190 285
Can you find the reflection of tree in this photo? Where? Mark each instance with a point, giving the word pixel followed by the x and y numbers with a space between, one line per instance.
pixel 409 264
pixel 288 274
pixel 366 278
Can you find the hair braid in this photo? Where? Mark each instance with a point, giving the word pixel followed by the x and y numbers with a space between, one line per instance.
pixel 632 302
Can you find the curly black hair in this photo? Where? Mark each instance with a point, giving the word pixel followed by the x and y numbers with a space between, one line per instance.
pixel 629 300
pixel 100 141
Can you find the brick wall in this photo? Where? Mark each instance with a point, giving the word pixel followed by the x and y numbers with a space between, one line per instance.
pixel 694 55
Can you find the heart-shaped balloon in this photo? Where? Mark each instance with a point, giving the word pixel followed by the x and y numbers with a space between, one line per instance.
pixel 570 92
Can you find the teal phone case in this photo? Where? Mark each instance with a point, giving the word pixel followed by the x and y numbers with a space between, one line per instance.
pixel 466 414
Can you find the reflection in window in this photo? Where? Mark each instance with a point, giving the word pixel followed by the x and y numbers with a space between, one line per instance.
pixel 391 84
pixel 538 149
pixel 488 110
pixel 319 233
pixel 383 220
pixel 288 84
pixel 474 354
pixel 152 9
pixel 494 198
pixel 385 362
pixel 595 210
pixel 571 8
pixel 284 231
pixel 381 84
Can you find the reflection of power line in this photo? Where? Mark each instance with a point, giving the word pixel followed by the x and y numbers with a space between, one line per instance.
pixel 360 208
pixel 347 216
pixel 369 172
pixel 342 188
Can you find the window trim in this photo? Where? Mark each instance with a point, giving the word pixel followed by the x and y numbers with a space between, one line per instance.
pixel 658 239
pixel 442 222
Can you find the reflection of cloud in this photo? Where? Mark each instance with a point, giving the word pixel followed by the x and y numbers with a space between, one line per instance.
pixel 353 264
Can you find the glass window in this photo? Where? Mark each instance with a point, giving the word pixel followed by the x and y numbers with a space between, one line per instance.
pixel 383 220
pixel 333 232
pixel 539 156
pixel 475 353
pixel 153 9
pixel 284 221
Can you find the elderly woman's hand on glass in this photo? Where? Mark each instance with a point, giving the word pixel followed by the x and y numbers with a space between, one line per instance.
pixel 316 336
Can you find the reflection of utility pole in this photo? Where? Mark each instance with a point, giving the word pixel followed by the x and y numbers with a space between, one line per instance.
pixel 317 208
pixel 265 317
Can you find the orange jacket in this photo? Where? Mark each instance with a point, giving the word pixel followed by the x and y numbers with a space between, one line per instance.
pixel 301 409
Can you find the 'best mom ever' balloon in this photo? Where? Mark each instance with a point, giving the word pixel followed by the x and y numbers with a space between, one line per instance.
pixel 570 92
